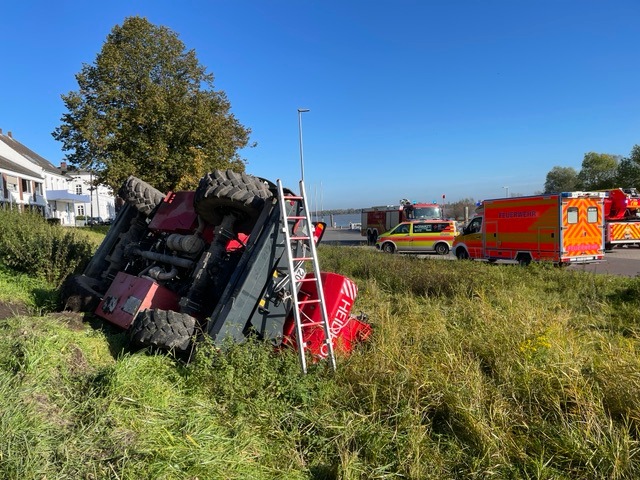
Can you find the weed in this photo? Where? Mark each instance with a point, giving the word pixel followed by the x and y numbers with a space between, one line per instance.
pixel 472 371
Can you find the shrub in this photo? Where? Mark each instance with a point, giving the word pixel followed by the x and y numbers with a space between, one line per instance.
pixel 29 244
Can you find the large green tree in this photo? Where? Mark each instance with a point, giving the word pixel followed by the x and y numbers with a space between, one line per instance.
pixel 461 209
pixel 598 171
pixel 561 179
pixel 628 174
pixel 146 107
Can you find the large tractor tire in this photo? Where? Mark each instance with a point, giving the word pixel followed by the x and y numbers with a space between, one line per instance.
pixel 141 200
pixel 77 294
pixel 224 191
pixel 163 329
pixel 141 195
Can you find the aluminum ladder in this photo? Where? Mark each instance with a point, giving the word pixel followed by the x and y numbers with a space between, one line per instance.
pixel 300 248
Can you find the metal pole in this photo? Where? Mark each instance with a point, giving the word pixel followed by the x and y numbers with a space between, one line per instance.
pixel 506 192
pixel 300 112
pixel 91 191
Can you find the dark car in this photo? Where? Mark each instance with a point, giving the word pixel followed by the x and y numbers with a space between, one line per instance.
pixel 93 221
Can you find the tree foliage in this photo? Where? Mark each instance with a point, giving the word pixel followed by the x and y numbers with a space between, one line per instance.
pixel 598 171
pixel 462 209
pixel 628 173
pixel 561 179
pixel 146 107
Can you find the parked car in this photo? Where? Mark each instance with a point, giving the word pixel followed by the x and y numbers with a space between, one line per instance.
pixel 419 237
pixel 93 221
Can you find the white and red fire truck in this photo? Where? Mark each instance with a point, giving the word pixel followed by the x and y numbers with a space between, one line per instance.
pixel 377 220
pixel 622 216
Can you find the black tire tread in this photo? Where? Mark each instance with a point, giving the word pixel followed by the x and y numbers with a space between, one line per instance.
pixel 442 249
pixel 164 329
pixel 140 194
pixel 388 247
pixel 224 191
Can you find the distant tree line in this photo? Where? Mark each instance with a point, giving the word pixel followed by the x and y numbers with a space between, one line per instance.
pixel 599 171
pixel 340 211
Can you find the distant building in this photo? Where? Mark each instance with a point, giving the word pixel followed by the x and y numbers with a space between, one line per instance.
pixel 29 181
pixel 100 201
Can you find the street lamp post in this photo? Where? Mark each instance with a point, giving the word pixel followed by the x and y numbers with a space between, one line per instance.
pixel 300 112
pixel 91 192
pixel 506 192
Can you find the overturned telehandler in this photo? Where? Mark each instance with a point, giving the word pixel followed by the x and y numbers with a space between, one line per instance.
pixel 228 260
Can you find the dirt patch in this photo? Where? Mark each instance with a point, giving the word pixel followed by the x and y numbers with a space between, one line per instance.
pixel 8 310
pixel 73 320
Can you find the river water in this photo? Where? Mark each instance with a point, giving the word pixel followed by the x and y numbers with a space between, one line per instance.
pixel 346 220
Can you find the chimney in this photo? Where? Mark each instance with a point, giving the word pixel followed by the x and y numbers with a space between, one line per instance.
pixel 0 131
pixel 63 166
pixel 9 134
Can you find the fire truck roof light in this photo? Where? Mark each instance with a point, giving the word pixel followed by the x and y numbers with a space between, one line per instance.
pixel 583 194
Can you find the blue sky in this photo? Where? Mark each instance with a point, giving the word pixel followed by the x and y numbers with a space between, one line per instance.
pixel 407 99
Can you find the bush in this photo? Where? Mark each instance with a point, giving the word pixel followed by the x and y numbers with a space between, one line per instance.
pixel 29 244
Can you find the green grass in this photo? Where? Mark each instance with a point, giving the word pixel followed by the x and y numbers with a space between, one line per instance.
pixel 473 371
pixel 31 245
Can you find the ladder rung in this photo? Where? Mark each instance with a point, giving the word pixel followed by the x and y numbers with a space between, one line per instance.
pixel 292 248
pixel 305 302
pixel 311 324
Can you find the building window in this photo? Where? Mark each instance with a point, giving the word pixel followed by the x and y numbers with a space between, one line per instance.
pixel 26 186
pixel 12 183
pixel 79 191
pixel 38 188
pixel 80 209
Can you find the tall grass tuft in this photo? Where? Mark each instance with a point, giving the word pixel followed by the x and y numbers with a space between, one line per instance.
pixel 31 245
pixel 472 371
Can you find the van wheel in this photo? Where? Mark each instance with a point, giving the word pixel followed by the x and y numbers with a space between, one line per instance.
pixel 388 248
pixel 462 254
pixel 442 249
pixel 523 259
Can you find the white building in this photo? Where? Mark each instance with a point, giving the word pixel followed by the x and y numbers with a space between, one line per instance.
pixel 21 180
pixel 99 200
pixel 29 180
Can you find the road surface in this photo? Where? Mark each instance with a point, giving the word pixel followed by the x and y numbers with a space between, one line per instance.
pixel 337 236
pixel 620 261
